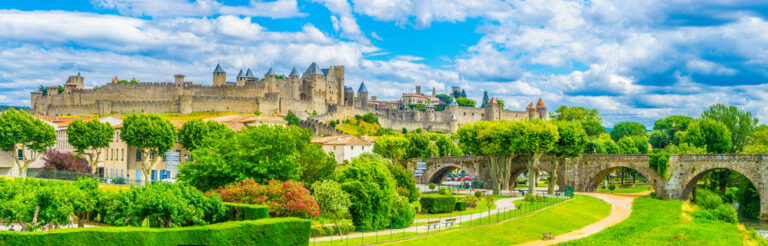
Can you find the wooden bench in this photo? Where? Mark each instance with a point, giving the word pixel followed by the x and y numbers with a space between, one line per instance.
pixel 547 236
pixel 433 224
pixel 449 222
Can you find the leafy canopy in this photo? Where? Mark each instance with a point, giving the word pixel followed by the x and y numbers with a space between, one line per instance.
pixel 148 131
pixel 565 113
pixel 709 134
pixel 19 127
pixel 739 123
pixel 624 129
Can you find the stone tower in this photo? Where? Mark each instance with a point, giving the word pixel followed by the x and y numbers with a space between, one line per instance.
pixel 492 110
pixel 541 109
pixel 241 78
pixel 178 79
pixel 454 124
pixel 418 89
pixel 295 80
pixel 453 105
pixel 338 73
pixel 430 113
pixel 531 110
pixel 349 96
pixel 219 76
pixel 362 95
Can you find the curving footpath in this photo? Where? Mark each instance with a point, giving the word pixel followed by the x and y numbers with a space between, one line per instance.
pixel 621 208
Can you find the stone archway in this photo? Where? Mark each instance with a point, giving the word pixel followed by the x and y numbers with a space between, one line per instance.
pixel 438 176
pixel 692 180
pixel 596 179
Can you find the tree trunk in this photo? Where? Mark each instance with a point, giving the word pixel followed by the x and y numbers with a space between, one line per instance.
pixel 634 178
pixel 724 179
pixel 622 177
pixel 693 194
pixel 553 175
pixel 532 163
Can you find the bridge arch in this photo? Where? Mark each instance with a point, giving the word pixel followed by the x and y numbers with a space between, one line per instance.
pixel 595 168
pixel 692 180
pixel 439 174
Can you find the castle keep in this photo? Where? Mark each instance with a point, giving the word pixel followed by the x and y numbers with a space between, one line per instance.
pixel 319 95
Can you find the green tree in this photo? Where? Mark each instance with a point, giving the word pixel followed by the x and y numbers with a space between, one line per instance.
pixel 391 146
pixel 710 134
pixel 486 99
pixel 571 142
pixel 90 139
pixel 192 133
pixel 580 114
pixel 500 102
pixel 659 139
pixel 292 119
pixel 151 135
pixel 406 186
pixel 671 125
pixel 463 93
pixel 627 146
pixel 22 133
pixel 84 199
pixel 446 147
pixel 465 102
pixel 372 191
pixel 624 129
pixel 739 123
pixel 444 99
pixel 331 199
pixel 497 141
pixel 538 137
pixel 593 128
pixel 418 146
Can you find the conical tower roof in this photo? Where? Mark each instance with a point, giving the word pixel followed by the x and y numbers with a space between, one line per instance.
pixel 241 73
pixel 362 88
pixel 270 72
pixel 453 102
pixel 218 69
pixel 313 69
pixel 294 72
pixel 249 73
pixel 540 104
pixel 531 105
pixel 453 117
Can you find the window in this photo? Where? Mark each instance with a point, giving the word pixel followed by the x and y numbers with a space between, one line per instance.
pixel 353 147
pixel 138 155
pixel 20 154
pixel 122 154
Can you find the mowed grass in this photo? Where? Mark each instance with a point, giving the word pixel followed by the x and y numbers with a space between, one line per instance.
pixel 559 219
pixel 634 189
pixel 659 222
pixel 358 127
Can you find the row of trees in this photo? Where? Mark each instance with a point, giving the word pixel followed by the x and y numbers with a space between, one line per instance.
pixel 418 144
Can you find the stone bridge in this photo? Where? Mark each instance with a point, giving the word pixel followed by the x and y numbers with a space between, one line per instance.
pixel 585 173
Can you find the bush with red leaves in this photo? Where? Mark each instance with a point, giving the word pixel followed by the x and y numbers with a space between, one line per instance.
pixel 285 199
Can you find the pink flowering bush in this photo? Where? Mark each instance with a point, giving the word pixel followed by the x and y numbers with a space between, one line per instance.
pixel 284 198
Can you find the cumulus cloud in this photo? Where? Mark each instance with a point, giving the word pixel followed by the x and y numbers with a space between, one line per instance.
pixel 175 8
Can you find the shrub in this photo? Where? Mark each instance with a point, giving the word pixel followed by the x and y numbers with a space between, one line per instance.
pixel 445 191
pixel 708 200
pixel 460 206
pixel 64 161
pixel 402 214
pixel 285 199
pixel 327 230
pixel 478 194
pixel 274 231
pixel 722 212
pixel 163 205
pixel 438 204
pixel 238 211
pixel 332 201
pixel 471 201
pixel 432 186
pixel 372 191
pixel 611 187
pixel 405 184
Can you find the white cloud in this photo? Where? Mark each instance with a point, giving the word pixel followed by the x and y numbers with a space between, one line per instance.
pixel 344 20
pixel 175 8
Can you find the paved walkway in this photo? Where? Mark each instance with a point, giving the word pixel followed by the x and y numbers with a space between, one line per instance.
pixel 502 205
pixel 621 208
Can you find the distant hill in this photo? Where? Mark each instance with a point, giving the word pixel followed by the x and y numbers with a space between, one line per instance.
pixel 4 107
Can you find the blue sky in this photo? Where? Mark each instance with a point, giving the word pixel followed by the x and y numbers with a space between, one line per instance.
pixel 632 60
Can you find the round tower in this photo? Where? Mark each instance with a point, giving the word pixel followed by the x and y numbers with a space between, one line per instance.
pixel 453 125
pixel 531 110
pixel 362 95
pixel 541 109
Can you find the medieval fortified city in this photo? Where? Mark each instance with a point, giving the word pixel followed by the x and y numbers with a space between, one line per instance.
pixel 383 122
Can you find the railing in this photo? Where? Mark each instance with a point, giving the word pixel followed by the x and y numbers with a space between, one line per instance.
pixel 72 176
pixel 456 221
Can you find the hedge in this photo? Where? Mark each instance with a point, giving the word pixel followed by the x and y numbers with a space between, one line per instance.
pixel 323 230
pixel 460 206
pixel 239 211
pixel 438 204
pixel 271 231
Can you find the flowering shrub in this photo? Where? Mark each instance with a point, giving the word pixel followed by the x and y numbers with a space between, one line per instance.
pixel 285 199
pixel 332 200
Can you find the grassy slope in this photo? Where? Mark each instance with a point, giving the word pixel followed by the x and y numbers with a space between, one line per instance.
pixel 559 219
pixel 657 222
pixel 358 129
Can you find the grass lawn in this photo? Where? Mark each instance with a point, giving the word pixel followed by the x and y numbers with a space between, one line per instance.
pixel 358 127
pixel 634 189
pixel 658 222
pixel 559 219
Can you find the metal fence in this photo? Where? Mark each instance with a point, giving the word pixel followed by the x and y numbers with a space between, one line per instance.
pixel 72 176
pixel 455 221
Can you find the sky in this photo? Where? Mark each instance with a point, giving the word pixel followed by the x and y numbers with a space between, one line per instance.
pixel 632 60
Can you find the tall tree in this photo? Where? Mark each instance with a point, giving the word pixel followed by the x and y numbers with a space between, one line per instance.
pixel 538 137
pixel 90 139
pixel 152 135
pixel 463 93
pixel 565 113
pixel 485 99
pixel 22 133
pixel 669 126
pixel 496 140
pixel 593 128
pixel 571 144
pixel 739 123
pixel 418 146
pixel 624 129
pixel 708 133
pixel 391 146
pixel 192 133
